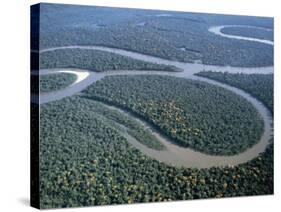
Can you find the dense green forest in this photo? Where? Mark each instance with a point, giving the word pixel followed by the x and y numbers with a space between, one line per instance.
pixel 249 32
pixel 199 45
pixel 87 141
pixel 86 161
pixel 258 85
pixel 133 127
pixel 57 81
pixel 180 36
pixel 191 113
pixel 95 60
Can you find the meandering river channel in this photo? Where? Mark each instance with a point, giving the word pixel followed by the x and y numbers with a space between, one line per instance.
pixel 174 154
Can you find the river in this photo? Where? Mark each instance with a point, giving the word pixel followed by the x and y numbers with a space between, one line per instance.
pixel 174 154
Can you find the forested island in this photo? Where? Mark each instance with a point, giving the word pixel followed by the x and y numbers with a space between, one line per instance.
pixel 190 112
pixel 95 60
pixel 53 82
pixel 254 32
